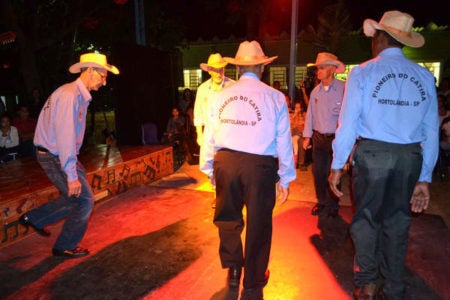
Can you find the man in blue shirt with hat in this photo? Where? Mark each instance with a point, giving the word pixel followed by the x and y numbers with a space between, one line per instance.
pixel 390 111
pixel 320 125
pixel 58 138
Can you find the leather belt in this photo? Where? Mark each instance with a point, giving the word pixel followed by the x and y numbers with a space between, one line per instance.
pixel 42 149
pixel 328 135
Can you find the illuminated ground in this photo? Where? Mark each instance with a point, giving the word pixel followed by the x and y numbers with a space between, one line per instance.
pixel 158 242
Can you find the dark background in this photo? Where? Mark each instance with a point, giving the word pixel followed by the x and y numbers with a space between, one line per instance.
pixel 51 35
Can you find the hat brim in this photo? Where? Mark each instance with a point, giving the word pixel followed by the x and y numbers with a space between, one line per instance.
pixel 250 62
pixel 207 68
pixel 340 67
pixel 76 68
pixel 414 39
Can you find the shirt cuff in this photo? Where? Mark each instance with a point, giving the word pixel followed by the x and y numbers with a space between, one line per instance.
pixel 284 184
pixel 72 177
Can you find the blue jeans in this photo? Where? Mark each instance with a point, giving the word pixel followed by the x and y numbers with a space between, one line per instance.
pixel 76 210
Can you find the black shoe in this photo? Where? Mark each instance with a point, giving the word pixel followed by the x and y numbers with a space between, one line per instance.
pixel 317 209
pixel 26 222
pixel 234 276
pixel 367 292
pixel 75 253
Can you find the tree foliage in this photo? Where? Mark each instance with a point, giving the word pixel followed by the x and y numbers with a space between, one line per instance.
pixel 333 25
pixel 52 33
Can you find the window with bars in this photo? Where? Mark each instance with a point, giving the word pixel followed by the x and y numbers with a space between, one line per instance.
pixel 231 73
pixel 434 68
pixel 192 78
pixel 300 74
pixel 278 74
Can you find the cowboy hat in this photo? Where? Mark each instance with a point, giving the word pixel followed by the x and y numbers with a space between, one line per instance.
pixel 94 60
pixel 325 58
pixel 250 54
pixel 215 61
pixel 398 25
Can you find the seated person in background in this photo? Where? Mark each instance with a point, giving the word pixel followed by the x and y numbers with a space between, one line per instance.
pixel 442 109
pixel 26 126
pixel 444 142
pixel 297 125
pixel 444 149
pixel 191 133
pixel 175 127
pixel 176 135
pixel 9 139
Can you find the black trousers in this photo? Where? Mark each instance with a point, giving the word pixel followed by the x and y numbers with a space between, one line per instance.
pixel 322 155
pixel 245 179
pixel 383 178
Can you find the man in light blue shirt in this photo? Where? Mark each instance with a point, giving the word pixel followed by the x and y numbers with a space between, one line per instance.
pixel 320 124
pixel 58 138
pixel 247 149
pixel 390 111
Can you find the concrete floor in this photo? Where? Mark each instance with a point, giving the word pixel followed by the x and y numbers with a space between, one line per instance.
pixel 300 267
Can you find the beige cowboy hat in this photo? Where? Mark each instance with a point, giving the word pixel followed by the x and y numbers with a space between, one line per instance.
pixel 398 25
pixel 94 60
pixel 215 61
pixel 325 58
pixel 250 54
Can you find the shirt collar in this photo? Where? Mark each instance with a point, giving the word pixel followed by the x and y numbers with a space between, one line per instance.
pixel 83 90
pixel 211 84
pixel 322 87
pixel 250 75
pixel 392 51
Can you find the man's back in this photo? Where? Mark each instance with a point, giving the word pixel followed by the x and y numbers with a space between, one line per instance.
pixel 396 97
pixel 250 111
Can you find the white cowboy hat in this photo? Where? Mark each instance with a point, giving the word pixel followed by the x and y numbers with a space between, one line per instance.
pixel 215 61
pixel 250 54
pixel 398 25
pixel 94 60
pixel 325 58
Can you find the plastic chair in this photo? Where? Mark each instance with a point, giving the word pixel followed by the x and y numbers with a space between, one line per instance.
pixel 149 134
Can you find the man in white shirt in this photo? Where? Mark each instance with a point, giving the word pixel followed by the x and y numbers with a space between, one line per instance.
pixel 208 90
pixel 248 149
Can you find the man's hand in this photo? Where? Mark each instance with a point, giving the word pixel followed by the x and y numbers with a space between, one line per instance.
pixel 334 179
pixel 212 181
pixel 74 188
pixel 306 143
pixel 420 198
pixel 282 194
pixel 199 130
pixel 200 139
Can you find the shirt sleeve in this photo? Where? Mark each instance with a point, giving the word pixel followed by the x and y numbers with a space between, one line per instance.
pixel 286 169
pixel 207 150
pixel 198 109
pixel 308 130
pixel 346 132
pixel 65 133
pixel 430 143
